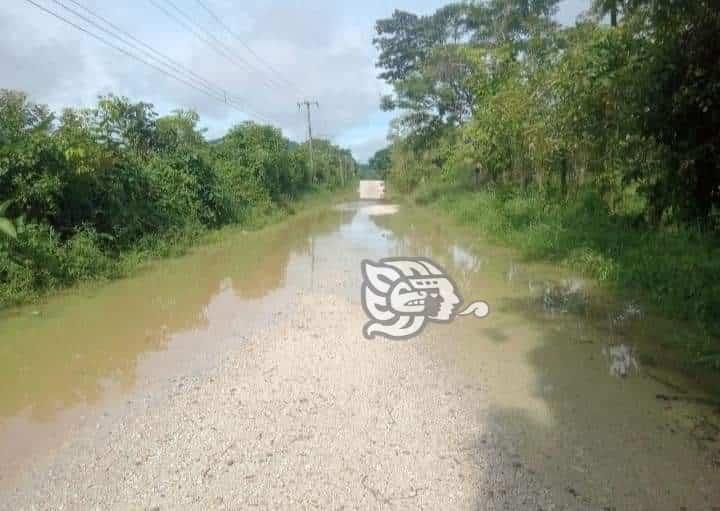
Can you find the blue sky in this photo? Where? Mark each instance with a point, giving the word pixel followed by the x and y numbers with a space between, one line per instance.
pixel 320 49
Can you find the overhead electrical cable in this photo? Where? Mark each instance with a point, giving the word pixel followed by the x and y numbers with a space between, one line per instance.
pixel 162 58
pixel 184 80
pixel 268 80
pixel 210 39
pixel 267 65
pixel 145 48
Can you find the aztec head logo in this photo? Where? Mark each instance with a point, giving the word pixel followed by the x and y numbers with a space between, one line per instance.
pixel 400 295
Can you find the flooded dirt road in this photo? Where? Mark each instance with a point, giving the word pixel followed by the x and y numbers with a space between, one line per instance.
pixel 238 376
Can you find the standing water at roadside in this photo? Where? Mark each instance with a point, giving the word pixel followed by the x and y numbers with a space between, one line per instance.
pixel 566 381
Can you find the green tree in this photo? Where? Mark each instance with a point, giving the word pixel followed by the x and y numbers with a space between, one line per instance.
pixel 380 162
pixel 79 189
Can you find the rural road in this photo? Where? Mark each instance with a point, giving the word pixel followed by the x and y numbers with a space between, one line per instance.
pixel 238 377
pixel 371 189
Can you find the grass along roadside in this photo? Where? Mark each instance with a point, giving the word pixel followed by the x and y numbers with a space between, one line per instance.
pixel 85 262
pixel 674 271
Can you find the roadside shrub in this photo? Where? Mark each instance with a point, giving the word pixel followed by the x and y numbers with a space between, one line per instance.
pixel 103 188
pixel 37 260
pixel 242 191
pixel 175 196
pixel 83 257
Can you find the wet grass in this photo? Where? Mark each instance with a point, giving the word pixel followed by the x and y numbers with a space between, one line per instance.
pixel 673 270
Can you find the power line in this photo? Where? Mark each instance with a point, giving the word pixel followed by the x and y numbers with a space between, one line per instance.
pixel 270 81
pixel 159 57
pixel 132 55
pixel 145 48
pixel 112 45
pixel 246 46
pixel 227 98
pixel 208 38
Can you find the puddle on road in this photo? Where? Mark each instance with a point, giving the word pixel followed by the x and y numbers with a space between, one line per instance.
pixel 63 360
pixel 560 363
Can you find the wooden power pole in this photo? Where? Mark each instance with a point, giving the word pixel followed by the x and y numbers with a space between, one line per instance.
pixel 342 170
pixel 307 104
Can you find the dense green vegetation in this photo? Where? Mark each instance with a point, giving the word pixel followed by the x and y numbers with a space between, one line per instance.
pixel 380 163
pixel 595 144
pixel 91 193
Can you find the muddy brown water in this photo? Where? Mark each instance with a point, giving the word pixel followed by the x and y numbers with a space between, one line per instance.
pixel 575 376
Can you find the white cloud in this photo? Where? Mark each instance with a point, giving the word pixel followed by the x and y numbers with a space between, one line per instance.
pixel 311 45
pixel 323 47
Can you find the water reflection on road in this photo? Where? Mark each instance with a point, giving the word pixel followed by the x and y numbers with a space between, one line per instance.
pixel 560 361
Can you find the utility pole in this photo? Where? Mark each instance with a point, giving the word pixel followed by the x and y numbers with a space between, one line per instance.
pixel 342 171
pixel 307 104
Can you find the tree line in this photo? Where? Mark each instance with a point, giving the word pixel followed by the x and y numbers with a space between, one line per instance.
pixel 629 109
pixel 80 189
pixel 594 145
